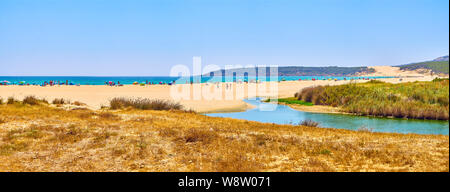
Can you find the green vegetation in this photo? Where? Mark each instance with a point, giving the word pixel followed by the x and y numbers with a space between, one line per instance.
pixel 291 100
pixel 302 71
pixel 59 101
pixel 144 104
pixel 434 66
pixel 322 71
pixel 440 79
pixel 417 100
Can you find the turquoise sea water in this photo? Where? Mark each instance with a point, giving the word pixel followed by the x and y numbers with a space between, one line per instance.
pixel 86 80
pixel 286 115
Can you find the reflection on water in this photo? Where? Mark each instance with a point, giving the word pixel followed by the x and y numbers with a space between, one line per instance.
pixel 286 115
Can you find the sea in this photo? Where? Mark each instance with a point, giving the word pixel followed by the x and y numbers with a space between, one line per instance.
pixel 102 80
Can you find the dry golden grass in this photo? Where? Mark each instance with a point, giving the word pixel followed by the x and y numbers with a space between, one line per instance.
pixel 42 138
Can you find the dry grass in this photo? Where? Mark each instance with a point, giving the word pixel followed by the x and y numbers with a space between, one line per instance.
pixel 42 138
pixel 144 104
pixel 77 103
pixel 60 101
pixel 30 100
pixel 11 100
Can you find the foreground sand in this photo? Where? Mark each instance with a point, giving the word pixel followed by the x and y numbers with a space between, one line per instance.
pixel 42 138
pixel 97 95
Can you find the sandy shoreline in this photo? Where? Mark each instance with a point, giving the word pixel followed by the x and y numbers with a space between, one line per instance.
pixel 226 97
pixel 96 96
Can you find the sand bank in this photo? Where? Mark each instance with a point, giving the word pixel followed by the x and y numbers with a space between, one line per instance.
pixel 96 96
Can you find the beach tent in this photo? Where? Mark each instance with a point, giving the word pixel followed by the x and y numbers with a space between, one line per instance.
pixel 135 83
pixel 142 84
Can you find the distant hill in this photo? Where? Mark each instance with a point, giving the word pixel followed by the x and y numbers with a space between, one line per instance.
pixel 438 65
pixel 311 71
pixel 443 58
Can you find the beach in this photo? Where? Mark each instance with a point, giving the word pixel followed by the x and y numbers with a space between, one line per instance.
pixel 96 96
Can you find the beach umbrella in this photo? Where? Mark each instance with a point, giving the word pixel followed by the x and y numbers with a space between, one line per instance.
pixel 5 81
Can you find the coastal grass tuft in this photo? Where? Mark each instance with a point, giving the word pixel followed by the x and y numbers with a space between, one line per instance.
pixel 59 101
pixel 309 123
pixel 10 101
pixel 32 100
pixel 144 104
pixel 290 100
pixel 415 100
pixel 77 103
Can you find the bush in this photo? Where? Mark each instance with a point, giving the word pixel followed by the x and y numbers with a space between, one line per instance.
pixel 418 100
pixel 59 101
pixel 11 100
pixel 144 104
pixel 309 123
pixel 77 103
pixel 31 100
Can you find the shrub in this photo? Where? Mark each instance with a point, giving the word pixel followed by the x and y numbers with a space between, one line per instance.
pixel 144 104
pixel 418 100
pixel 31 100
pixel 59 101
pixel 440 79
pixel 77 103
pixel 11 100
pixel 309 123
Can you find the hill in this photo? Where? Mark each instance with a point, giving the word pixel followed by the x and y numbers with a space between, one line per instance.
pixel 307 71
pixel 438 65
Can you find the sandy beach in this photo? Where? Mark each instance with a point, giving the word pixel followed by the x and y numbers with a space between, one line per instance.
pixel 95 96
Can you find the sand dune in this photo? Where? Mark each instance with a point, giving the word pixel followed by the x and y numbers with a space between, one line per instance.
pixel 395 71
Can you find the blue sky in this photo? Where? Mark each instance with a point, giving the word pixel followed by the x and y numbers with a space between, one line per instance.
pixel 137 37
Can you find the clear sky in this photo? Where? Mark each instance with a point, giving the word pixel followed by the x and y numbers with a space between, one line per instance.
pixel 145 38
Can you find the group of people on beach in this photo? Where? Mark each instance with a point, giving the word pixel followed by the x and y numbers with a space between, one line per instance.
pixel 52 83
pixel 112 83
pixel 335 79
pixel 43 84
